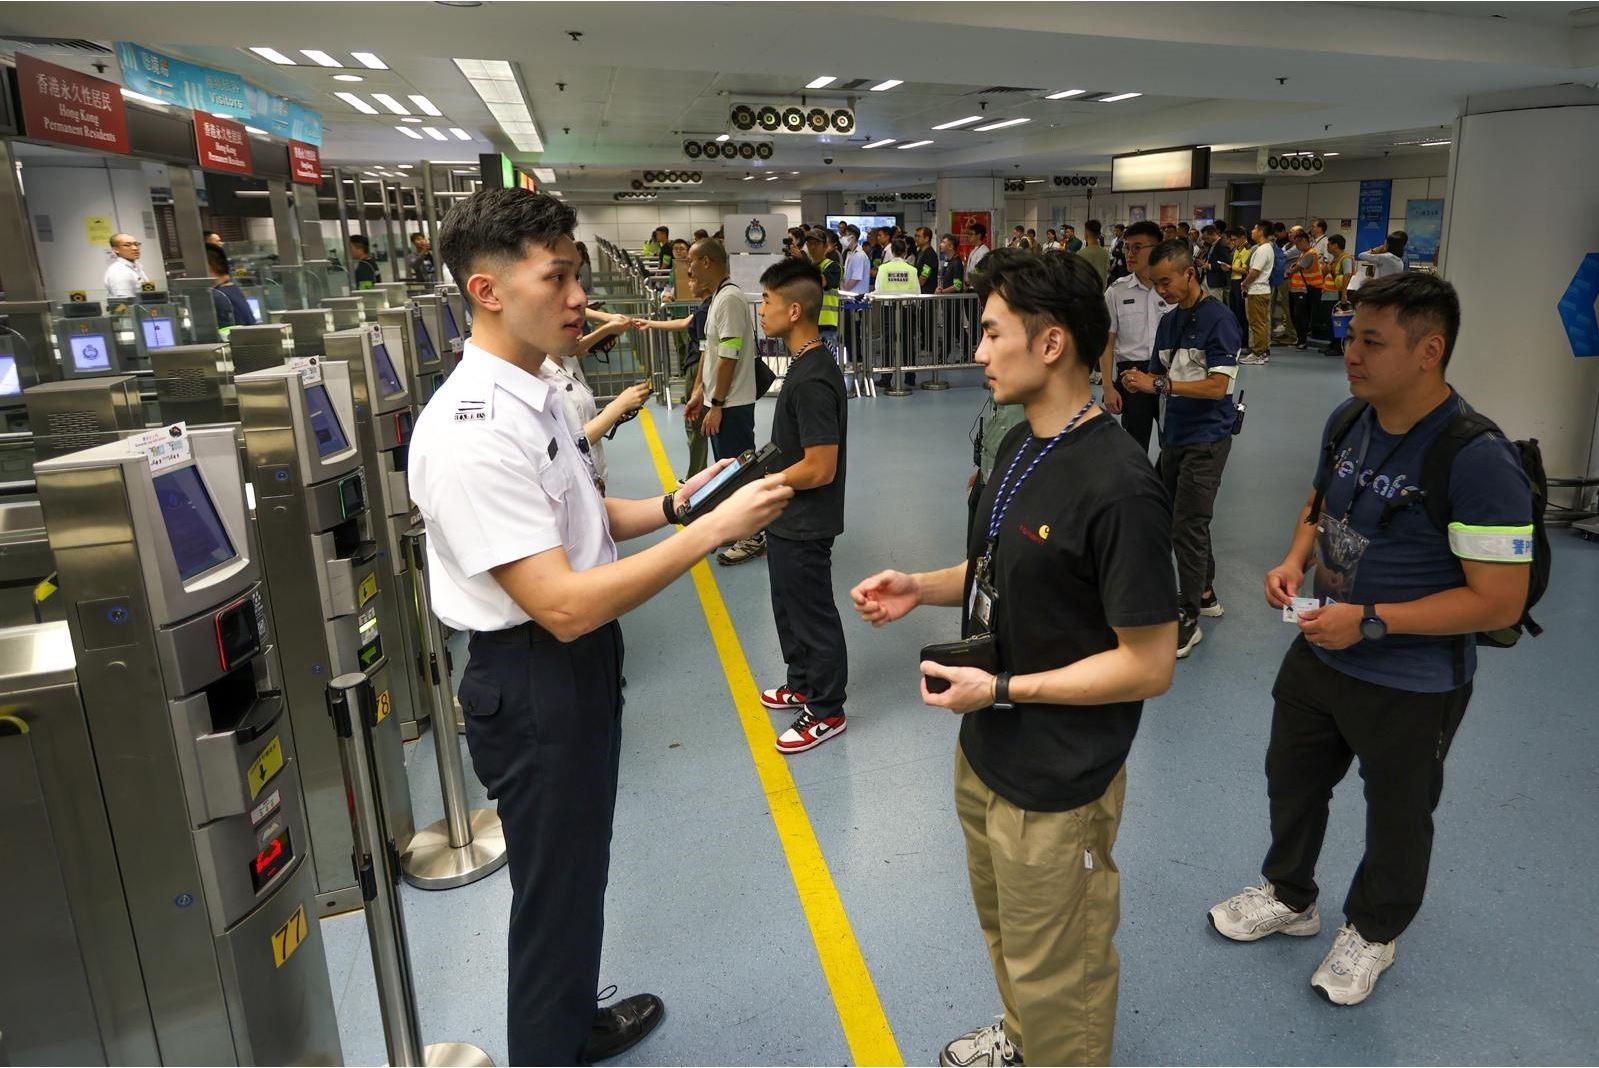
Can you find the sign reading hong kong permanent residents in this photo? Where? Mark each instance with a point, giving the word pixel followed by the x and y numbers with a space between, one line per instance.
pixel 60 104
pixel 223 145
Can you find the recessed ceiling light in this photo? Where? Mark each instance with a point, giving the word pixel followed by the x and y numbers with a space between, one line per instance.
pixel 915 144
pixel 319 57
pixel 434 133
pixel 392 104
pixel 357 103
pixel 1064 93
pixel 129 94
pixel 1435 144
pixel 1000 125
pixel 348 78
pixel 370 60
pixel 958 122
pixel 256 130
pixel 404 166
pixel 821 83
pixel 749 177
pixel 880 144
pixel 724 137
pixel 413 118
pixel 881 86
pixel 273 54
pixel 460 134
pixel 1118 97
pixel 1328 155
pixel 544 174
pixel 407 131
pixel 773 178
pixel 425 105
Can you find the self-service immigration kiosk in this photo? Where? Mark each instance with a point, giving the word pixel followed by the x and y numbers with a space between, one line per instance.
pixel 76 414
pixel 309 326
pixel 88 347
pixel 374 301
pixel 255 348
pixel 348 312
pixel 443 327
pixel 423 358
pixel 383 414
pixel 313 515
pixel 153 860
pixel 194 384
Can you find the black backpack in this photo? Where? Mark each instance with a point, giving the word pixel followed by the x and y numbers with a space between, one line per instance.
pixel 1433 491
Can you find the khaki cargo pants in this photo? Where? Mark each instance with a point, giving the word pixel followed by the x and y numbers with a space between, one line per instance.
pixel 1048 897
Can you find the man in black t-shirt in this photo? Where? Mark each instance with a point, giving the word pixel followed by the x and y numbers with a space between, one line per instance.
pixel 364 274
pixel 1069 571
pixel 808 427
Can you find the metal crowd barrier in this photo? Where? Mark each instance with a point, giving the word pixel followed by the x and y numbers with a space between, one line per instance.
pixel 895 334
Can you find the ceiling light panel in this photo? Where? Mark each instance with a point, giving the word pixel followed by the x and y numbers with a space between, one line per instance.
pixel 1000 125
pixel 407 131
pixel 915 144
pixel 1118 97
pixel 348 78
pixel 544 174
pixel 273 55
pixel 319 57
pixel 460 134
pixel 880 144
pixel 958 122
pixel 370 60
pixel 1065 93
pixel 881 87
pixel 424 105
pixel 392 104
pixel 494 81
pixel 822 82
pixel 357 103
pixel 435 133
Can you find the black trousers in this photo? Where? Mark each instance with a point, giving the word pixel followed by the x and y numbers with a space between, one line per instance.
pixel 1322 720
pixel 737 434
pixel 1299 308
pixel 1192 474
pixel 544 725
pixel 808 628
pixel 1139 410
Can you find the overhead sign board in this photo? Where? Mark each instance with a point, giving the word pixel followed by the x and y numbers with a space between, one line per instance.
pixel 305 163
pixel 1165 170
pixel 62 105
pixel 224 145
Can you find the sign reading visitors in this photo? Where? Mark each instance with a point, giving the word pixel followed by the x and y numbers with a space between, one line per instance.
pixel 62 105
pixel 221 92
pixel 224 145
pixel 1373 214
pixel 305 163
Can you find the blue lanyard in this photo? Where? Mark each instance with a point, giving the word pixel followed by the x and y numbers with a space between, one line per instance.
pixel 1007 491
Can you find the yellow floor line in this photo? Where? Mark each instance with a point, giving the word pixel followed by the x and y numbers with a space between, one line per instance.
pixel 866 1029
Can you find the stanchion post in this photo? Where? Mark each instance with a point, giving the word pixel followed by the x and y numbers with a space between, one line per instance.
pixel 934 320
pixel 354 709
pixel 896 311
pixel 465 845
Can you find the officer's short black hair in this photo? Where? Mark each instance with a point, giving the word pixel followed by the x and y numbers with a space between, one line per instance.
pixel 799 281
pixel 500 224
pixel 1177 252
pixel 1144 228
pixel 360 242
pixel 1424 304
pixel 1049 291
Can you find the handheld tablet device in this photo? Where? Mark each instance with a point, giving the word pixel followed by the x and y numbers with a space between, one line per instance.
pixel 741 472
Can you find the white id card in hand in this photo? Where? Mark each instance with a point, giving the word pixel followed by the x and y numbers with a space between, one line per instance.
pixel 1301 604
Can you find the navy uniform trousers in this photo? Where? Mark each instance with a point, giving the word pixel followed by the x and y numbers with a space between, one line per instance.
pixel 544 726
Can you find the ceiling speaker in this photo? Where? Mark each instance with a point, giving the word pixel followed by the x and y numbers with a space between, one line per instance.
pixel 729 150
pixel 842 121
pixel 817 120
pixel 746 150
pixel 793 120
pixel 692 149
pixel 763 150
pixel 743 117
pixel 768 119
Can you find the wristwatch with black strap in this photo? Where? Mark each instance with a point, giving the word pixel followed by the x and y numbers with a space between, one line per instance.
pixel 1372 628
pixel 717 402
pixel 1002 701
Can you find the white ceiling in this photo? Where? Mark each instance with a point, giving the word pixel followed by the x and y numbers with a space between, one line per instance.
pixel 642 77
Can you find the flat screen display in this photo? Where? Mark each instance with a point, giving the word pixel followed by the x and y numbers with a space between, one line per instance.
pixel 426 353
pixel 1155 172
pixel 90 352
pixel 10 382
pixel 865 222
pixel 451 331
pixel 194 529
pixel 255 307
pixel 388 382
pixel 324 421
pixel 158 333
pixel 715 484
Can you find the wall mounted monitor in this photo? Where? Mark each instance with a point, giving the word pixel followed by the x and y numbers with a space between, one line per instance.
pixel 1164 170
pixel 324 422
pixel 90 353
pixel 194 529
pixel 388 382
pixel 865 222
pixel 158 332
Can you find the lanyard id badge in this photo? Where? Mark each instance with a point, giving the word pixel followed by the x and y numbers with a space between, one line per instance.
pixel 980 607
pixel 1339 548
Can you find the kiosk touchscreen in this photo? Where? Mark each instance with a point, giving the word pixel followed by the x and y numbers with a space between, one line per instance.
pixel 195 534
pixel 325 428
pixel 388 380
pixel 255 307
pixel 158 332
pixel 88 347
pixel 10 382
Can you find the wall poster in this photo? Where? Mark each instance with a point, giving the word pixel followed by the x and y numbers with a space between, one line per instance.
pixel 1137 212
pixel 1424 222
pixel 960 220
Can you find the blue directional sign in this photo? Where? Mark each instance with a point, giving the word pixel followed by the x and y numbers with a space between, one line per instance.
pixel 1577 308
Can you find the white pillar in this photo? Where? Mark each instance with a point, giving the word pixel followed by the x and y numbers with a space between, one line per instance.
pixel 1522 211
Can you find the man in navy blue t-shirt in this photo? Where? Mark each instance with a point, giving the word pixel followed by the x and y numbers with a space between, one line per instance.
pixel 1383 673
pixel 1194 363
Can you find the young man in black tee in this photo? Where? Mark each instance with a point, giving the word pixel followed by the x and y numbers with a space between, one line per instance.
pixel 1068 570
pixel 808 426
pixel 364 272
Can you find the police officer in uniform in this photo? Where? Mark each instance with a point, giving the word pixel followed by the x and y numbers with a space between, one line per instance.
pixel 522 554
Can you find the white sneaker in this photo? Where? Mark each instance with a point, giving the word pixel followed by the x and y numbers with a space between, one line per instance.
pixel 1350 969
pixel 985 1046
pixel 1255 913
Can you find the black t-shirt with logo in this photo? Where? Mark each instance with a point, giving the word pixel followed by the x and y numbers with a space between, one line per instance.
pixel 811 411
pixel 1084 546
pixel 927 268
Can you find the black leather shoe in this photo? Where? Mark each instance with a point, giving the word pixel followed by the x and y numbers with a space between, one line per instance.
pixel 619 1027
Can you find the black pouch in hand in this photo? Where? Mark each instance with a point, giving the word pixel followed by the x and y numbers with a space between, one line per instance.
pixel 978 652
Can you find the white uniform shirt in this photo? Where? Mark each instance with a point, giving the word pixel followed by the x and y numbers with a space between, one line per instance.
pixel 1262 259
pixel 565 376
pixel 123 279
pixel 1386 263
pixel 729 335
pixel 857 273
pixel 496 471
pixel 1135 310
pixel 973 258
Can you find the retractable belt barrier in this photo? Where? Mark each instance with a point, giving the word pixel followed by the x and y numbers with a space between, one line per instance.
pixel 355 711
pixel 465 845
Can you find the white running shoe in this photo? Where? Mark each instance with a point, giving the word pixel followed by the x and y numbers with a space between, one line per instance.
pixel 986 1046
pixel 1255 913
pixel 1350 969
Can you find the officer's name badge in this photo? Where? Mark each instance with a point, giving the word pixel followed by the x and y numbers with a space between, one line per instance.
pixel 470 411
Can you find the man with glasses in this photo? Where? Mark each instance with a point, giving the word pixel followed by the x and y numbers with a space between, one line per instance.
pixel 124 276
pixel 1135 311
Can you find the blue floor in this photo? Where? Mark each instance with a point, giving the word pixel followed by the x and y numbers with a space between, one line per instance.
pixel 1501 967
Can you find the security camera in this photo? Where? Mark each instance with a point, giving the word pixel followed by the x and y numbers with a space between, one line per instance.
pixel 827 160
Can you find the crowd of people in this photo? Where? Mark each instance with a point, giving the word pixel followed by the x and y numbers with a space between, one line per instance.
pixel 1071 611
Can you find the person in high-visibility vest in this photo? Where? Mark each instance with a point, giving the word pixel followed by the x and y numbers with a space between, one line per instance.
pixel 1304 285
pixel 822 248
pixel 1335 284
pixel 896 277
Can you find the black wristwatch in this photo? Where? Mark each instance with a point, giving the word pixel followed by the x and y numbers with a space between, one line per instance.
pixel 716 403
pixel 1372 628
pixel 670 509
pixel 1002 701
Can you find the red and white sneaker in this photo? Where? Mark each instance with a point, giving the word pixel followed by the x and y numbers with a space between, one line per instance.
pixel 809 731
pixel 782 699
